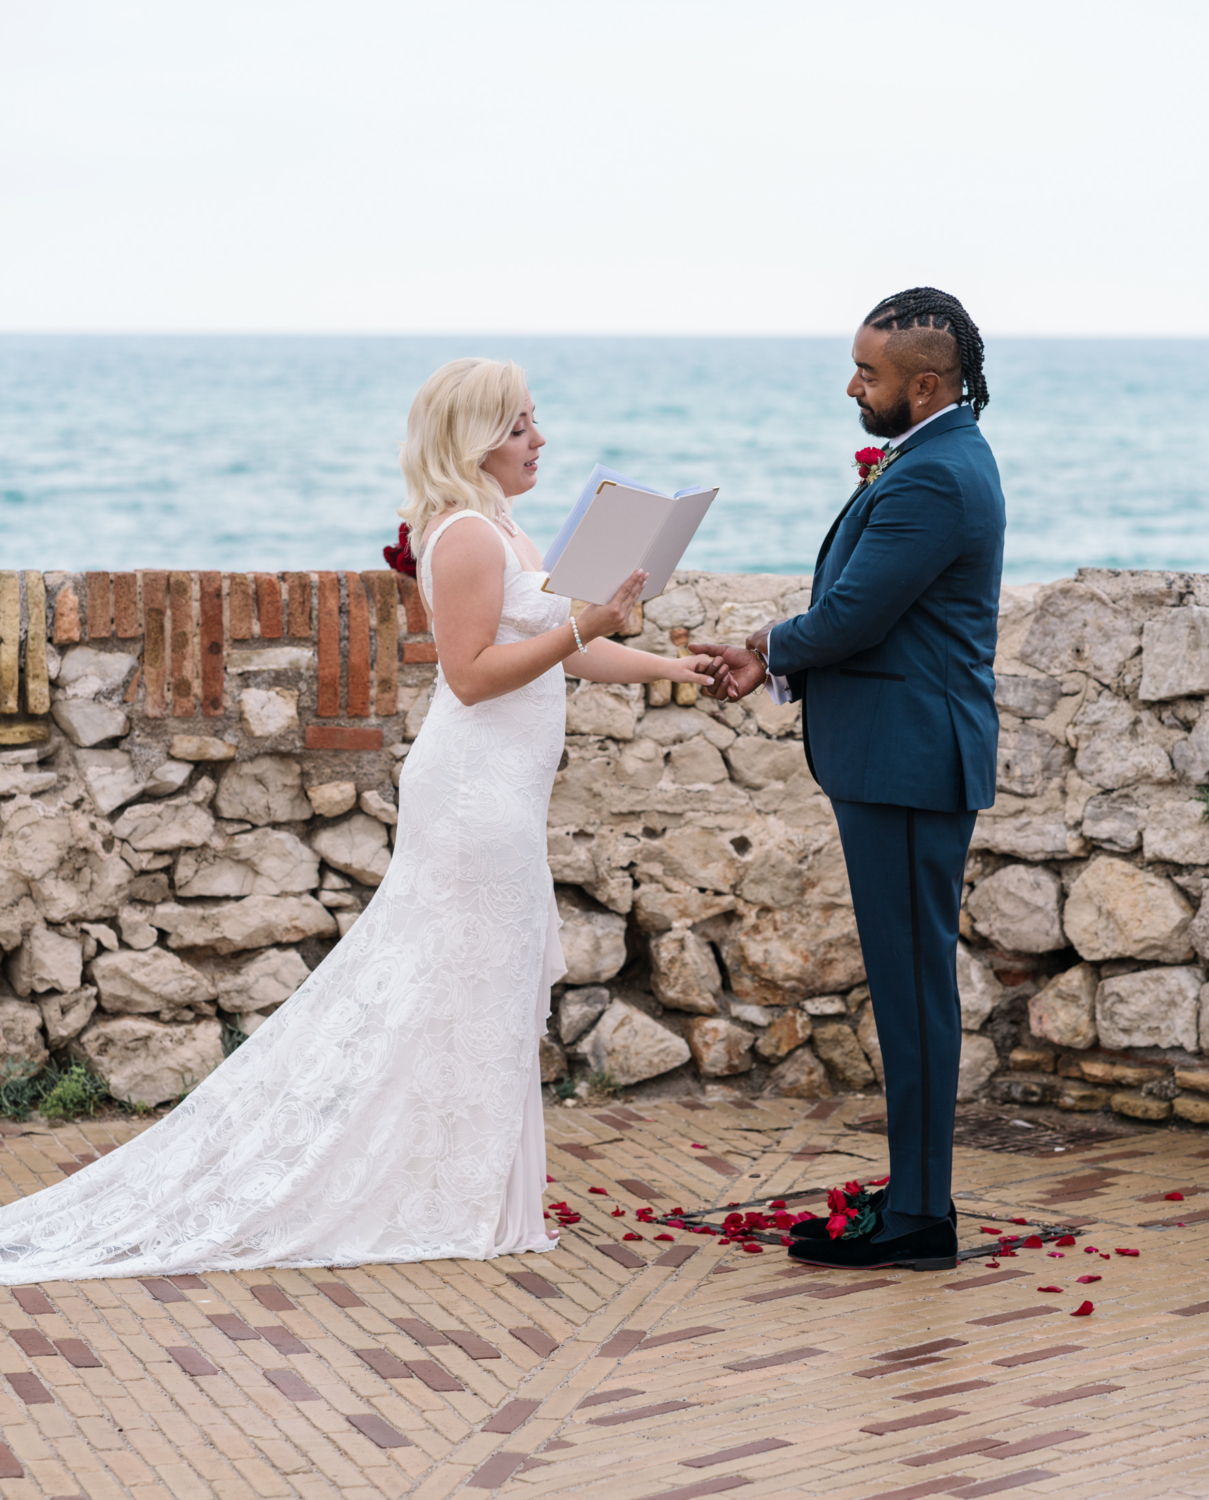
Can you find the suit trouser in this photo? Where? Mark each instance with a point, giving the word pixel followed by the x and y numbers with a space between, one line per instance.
pixel 905 869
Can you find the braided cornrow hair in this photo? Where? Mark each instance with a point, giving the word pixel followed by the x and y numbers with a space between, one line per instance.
pixel 926 307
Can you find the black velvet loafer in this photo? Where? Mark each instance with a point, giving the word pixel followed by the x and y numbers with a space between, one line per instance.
pixel 930 1249
pixel 816 1229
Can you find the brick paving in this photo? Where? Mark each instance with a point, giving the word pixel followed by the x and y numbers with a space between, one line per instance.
pixel 679 1369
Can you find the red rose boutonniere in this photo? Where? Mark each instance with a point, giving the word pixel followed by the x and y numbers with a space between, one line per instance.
pixel 870 462
pixel 400 558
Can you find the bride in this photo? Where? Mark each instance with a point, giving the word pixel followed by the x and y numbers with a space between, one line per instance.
pixel 391 1109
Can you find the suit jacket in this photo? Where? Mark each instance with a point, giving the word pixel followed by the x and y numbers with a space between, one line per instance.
pixel 893 660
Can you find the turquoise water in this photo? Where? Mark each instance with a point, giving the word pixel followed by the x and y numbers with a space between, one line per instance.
pixel 280 452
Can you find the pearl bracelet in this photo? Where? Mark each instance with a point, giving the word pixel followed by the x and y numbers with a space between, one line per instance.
pixel 583 650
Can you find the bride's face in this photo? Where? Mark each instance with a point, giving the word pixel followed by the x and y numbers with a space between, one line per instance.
pixel 514 463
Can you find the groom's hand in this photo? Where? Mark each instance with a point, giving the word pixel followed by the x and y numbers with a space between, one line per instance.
pixel 758 639
pixel 743 671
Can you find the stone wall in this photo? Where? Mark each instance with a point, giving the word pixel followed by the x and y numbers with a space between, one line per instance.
pixel 197 797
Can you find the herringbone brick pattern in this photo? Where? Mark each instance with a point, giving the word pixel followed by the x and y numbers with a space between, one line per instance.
pixel 625 1369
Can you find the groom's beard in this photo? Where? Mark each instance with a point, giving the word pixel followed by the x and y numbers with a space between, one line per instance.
pixel 891 423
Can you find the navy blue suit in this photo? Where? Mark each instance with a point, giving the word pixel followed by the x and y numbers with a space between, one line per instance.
pixel 893 664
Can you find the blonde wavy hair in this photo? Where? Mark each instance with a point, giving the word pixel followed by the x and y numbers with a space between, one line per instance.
pixel 461 412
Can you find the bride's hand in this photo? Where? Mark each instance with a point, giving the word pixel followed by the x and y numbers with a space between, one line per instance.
pixel 607 619
pixel 700 669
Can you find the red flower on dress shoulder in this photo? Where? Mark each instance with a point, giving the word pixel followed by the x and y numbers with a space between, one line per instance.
pixel 400 557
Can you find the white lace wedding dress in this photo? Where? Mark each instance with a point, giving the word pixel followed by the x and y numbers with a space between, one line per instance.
pixel 390 1110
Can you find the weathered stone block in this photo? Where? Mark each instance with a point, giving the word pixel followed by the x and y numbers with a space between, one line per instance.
pixel 700 858
pixel 593 942
pixel 551 1059
pixel 1154 1008
pixel 201 747
pixel 87 673
pixel 46 960
pixel 603 709
pixel 86 722
pixel 131 983
pixel 21 1034
pixel 1076 629
pixel 1027 697
pixel 157 827
pixel 837 1045
pixel 262 862
pixel 1114 821
pixel 1117 746
pixel 778 957
pixel 110 778
pixel 266 789
pixel 719 1047
pixel 1019 908
pixel 1178 832
pixel 1029 761
pixel 1193 1078
pixel 332 798
pixel 1194 1111
pixel 1065 1010
pixel 264 712
pixel 65 1016
pixel 167 778
pixel 696 763
pixel 579 1009
pixel 676 607
pixel 800 1076
pixel 1115 910
pixel 1023 835
pixel 979 1062
pixel 358 846
pixel 254 922
pixel 756 762
pixel 1085 1100
pixel 1141 1106
pixel 978 989
pixel 673 725
pixel 1175 654
pixel 657 908
pixel 268 979
pixel 781 1036
pixel 375 805
pixel 630 1046
pixel 684 972
pixel 148 1062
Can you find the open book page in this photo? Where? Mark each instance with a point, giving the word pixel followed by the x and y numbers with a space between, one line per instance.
pixel 577 512
pixel 624 527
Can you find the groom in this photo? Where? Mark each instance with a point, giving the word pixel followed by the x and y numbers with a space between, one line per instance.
pixel 892 664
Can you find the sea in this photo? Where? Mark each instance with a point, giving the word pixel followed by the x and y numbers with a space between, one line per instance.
pixel 276 452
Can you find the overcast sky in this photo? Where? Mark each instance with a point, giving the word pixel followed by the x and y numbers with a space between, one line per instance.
pixel 687 166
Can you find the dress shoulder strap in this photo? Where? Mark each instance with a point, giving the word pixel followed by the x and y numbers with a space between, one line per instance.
pixel 459 515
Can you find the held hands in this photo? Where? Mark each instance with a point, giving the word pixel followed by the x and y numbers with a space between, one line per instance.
pixel 741 671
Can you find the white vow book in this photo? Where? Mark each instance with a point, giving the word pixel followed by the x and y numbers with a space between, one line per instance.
pixel 615 526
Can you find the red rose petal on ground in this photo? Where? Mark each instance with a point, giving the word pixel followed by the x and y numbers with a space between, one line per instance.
pixel 618 1213
pixel 665 1236
pixel 1017 1221
pixel 1087 1280
pixel 754 1249
pixel 602 1191
pixel 984 1230
pixel 1089 1249
pixel 696 1146
pixel 1103 1256
pixel 1049 1288
pixel 991 1265
pixel 878 1181
pixel 1174 1197
pixel 777 1203
pixel 1067 1239
pixel 786 1239
pixel 631 1236
pixel 1033 1242
pixel 1083 1309
pixel 1055 1255
pixel 1128 1252
pixel 680 1210
pixel 549 1178
pixel 675 1223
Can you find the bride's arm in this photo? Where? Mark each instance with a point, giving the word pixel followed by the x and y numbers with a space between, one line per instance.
pixel 608 661
pixel 468 598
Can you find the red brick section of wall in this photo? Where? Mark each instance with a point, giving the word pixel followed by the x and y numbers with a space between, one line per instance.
pixel 185 622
